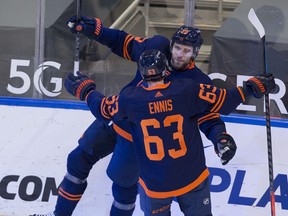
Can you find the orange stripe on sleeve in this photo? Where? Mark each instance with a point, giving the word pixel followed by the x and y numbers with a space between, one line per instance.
pixel 103 109
pixel 140 39
pixel 217 103
pixel 125 47
pixel 178 192
pixel 222 101
pixel 123 133
pixel 208 117
pixel 241 93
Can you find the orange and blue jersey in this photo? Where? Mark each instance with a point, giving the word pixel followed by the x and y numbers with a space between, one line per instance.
pixel 164 127
pixel 130 47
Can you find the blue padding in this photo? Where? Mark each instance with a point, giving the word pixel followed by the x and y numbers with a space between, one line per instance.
pixel 66 104
pixel 255 120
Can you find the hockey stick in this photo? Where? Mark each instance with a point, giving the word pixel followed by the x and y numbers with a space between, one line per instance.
pixel 261 31
pixel 77 40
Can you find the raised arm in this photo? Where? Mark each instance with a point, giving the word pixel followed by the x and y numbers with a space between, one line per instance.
pixel 225 101
pixel 84 89
pixel 120 42
pixel 207 96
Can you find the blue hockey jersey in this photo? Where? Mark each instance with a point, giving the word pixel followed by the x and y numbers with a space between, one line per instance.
pixel 130 47
pixel 164 127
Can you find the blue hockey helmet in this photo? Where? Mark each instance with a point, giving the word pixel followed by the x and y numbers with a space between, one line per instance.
pixel 152 65
pixel 189 36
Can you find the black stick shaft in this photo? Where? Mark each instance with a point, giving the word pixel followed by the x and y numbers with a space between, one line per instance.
pixel 77 40
pixel 269 140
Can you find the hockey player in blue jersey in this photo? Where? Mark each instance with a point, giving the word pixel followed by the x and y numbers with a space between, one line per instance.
pixel 99 139
pixel 163 123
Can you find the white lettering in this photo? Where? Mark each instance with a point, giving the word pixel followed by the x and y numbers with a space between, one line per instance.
pixel 19 74
pixel 277 97
pixel 15 73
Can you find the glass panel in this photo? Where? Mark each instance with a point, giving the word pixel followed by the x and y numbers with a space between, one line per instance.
pixel 38 71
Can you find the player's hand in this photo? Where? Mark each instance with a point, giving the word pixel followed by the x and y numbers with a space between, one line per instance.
pixel 90 27
pixel 79 86
pixel 261 84
pixel 225 148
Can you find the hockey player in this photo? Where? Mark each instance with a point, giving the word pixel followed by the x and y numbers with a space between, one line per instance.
pixel 162 116
pixel 99 139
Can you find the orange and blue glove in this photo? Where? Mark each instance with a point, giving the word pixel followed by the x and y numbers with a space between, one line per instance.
pixel 260 85
pixel 79 86
pixel 225 147
pixel 88 26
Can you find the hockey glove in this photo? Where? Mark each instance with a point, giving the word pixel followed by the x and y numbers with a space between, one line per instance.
pixel 225 148
pixel 260 85
pixel 90 27
pixel 79 86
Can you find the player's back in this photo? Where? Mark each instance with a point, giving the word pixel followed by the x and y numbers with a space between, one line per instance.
pixel 166 136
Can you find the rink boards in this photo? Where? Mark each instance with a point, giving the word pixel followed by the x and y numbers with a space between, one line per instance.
pixel 37 137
